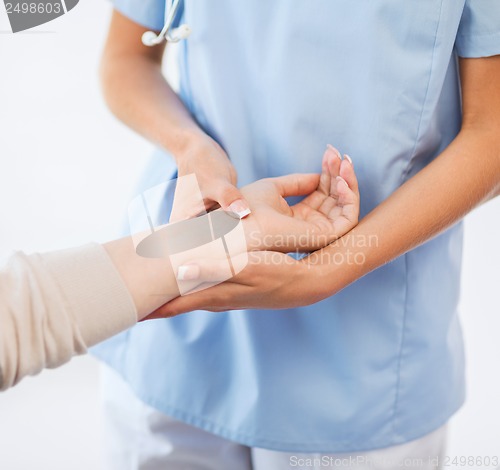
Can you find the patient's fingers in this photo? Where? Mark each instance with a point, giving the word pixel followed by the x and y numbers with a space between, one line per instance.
pixel 347 172
pixel 334 161
pixel 325 197
pixel 349 202
pixel 296 184
pixel 330 170
pixel 346 194
pixel 325 179
pixel 335 157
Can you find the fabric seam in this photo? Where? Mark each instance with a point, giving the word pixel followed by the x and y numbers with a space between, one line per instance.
pixel 400 354
pixel 483 35
pixel 426 98
pixel 405 175
pixel 244 439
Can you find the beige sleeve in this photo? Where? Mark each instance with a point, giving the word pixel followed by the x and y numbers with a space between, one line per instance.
pixel 56 305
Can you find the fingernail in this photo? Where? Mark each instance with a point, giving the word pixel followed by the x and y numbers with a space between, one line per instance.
pixel 188 273
pixel 348 158
pixel 331 147
pixel 339 178
pixel 240 208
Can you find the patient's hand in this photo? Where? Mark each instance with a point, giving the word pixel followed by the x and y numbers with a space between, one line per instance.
pixel 330 209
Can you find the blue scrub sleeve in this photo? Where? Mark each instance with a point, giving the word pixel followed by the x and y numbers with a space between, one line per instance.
pixel 147 13
pixel 479 30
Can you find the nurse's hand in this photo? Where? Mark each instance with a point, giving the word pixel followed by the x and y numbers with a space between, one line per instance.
pixel 271 280
pixel 216 178
pixel 329 210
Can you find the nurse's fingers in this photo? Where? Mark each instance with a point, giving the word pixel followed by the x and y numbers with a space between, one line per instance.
pixel 296 184
pixel 212 269
pixel 230 198
pixel 187 208
pixel 348 174
pixel 203 270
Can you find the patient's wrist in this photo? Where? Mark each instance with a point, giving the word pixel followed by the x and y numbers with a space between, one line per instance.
pixel 253 233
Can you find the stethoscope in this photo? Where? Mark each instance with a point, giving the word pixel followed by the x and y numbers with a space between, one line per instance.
pixel 150 38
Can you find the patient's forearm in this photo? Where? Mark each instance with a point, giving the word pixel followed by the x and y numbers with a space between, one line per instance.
pixel 150 281
pixel 56 305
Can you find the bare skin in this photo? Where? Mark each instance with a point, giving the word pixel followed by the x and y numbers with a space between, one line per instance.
pixel 329 210
pixel 465 175
pixel 139 95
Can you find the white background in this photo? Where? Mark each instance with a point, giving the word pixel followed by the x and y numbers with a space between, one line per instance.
pixel 66 172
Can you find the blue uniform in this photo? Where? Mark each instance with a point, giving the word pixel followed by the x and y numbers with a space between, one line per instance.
pixel 381 362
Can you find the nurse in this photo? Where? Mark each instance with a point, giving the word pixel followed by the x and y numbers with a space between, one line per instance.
pixel 364 356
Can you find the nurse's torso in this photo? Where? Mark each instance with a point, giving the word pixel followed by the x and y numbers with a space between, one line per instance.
pixel 381 362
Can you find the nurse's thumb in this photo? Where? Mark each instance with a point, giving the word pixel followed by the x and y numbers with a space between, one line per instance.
pixel 231 199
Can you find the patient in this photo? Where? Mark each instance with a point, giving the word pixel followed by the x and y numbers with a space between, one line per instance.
pixel 56 305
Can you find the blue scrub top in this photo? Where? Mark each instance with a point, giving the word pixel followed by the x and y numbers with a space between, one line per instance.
pixel 381 362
